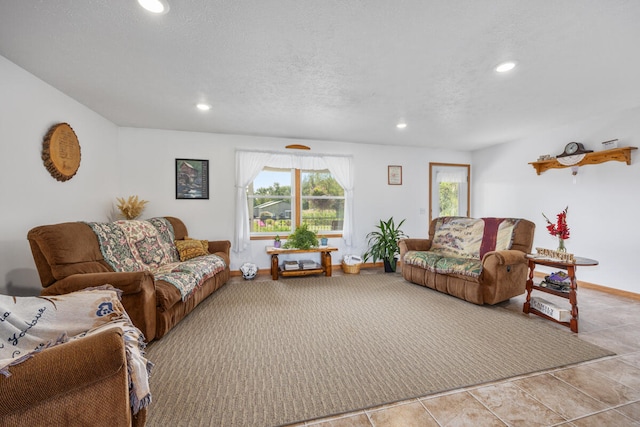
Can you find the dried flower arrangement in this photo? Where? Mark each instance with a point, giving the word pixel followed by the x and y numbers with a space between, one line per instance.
pixel 132 207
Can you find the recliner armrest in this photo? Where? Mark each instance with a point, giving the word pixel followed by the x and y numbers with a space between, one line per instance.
pixel 223 246
pixel 138 297
pixel 506 257
pixel 128 282
pixel 59 370
pixel 407 245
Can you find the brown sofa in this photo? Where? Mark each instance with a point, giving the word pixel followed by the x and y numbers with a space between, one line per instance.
pixel 447 263
pixel 68 259
pixel 56 387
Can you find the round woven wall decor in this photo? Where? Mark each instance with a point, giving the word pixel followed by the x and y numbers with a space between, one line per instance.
pixel 61 152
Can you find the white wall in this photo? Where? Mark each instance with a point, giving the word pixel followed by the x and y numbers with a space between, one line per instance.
pixel 147 168
pixel 118 162
pixel 603 202
pixel 30 195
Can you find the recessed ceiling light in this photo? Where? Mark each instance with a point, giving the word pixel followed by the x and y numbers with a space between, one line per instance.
pixel 155 6
pixel 506 66
pixel 203 107
pixel 401 125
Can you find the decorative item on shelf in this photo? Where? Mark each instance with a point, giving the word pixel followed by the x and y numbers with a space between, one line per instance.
pixel 621 154
pixel 132 207
pixel 544 157
pixel 276 241
pixel 324 241
pixel 560 229
pixel 383 243
pixel 608 145
pixel 572 149
pixel 302 238
pixel 561 256
pixel 249 270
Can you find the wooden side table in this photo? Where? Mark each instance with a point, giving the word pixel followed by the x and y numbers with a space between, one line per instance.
pixel 325 261
pixel 572 295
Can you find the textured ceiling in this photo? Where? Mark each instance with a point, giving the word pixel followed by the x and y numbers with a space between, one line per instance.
pixel 343 70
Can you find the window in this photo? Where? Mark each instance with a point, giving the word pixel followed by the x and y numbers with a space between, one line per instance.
pixel 449 192
pixel 250 164
pixel 282 199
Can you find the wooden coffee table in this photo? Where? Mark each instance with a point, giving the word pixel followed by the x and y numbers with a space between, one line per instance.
pixel 325 261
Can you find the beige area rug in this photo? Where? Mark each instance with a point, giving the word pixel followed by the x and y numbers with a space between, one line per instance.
pixel 275 352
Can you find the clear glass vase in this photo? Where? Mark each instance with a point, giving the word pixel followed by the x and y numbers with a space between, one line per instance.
pixel 561 247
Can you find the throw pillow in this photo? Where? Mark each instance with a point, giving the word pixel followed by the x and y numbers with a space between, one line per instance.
pixel 190 248
pixel 205 243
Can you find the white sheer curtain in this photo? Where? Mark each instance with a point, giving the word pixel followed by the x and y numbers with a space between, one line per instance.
pixel 341 169
pixel 451 175
pixel 248 166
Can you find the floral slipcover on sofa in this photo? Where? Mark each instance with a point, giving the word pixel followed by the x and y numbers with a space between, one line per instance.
pixel 480 260
pixel 163 274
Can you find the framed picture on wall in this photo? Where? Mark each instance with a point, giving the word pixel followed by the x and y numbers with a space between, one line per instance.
pixel 394 175
pixel 192 179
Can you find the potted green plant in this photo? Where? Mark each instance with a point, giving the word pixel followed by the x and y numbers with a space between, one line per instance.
pixel 302 238
pixel 383 243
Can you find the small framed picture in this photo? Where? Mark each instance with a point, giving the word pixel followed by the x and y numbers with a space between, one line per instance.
pixel 394 174
pixel 192 179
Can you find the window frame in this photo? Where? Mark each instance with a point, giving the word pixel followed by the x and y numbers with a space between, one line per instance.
pixel 296 205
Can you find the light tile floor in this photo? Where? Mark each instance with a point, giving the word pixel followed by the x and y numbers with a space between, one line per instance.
pixel 604 392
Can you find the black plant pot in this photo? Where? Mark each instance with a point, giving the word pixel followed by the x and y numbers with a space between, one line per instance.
pixel 388 268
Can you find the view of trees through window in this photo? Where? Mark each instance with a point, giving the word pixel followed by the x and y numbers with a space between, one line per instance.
pixel 449 193
pixel 449 197
pixel 278 205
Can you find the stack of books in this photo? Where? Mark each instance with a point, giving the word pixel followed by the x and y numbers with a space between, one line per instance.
pixel 558 281
pixel 290 265
pixel 550 309
pixel 307 264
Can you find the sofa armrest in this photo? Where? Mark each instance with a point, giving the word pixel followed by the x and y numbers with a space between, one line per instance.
pixel 407 245
pixel 128 282
pixel 506 257
pixel 138 294
pixel 222 248
pixel 504 274
pixel 73 378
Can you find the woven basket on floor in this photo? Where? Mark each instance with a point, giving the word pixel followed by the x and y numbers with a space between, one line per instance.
pixel 351 268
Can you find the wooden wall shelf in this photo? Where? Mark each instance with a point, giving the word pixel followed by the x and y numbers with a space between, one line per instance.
pixel 622 154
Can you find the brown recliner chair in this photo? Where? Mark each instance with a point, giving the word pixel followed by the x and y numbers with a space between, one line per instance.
pixel 82 382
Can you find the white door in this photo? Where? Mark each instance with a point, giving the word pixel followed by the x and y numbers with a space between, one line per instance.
pixel 448 190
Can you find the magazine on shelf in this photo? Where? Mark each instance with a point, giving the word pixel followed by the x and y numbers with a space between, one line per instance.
pixel 566 288
pixel 558 281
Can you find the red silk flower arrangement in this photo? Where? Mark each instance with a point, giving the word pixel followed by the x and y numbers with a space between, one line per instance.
pixel 560 229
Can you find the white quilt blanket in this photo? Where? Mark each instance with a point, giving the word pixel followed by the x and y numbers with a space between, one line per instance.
pixel 29 325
